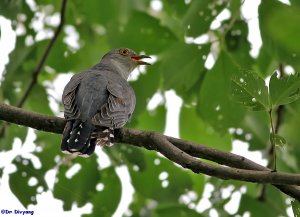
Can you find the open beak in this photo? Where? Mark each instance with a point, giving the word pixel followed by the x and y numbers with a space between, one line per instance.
pixel 138 58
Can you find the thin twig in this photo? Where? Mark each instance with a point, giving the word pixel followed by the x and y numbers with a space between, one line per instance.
pixel 272 149
pixel 43 59
pixel 272 140
pixel 40 65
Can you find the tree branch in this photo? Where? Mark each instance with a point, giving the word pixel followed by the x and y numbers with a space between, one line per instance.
pixel 179 151
pixel 228 159
pixel 43 59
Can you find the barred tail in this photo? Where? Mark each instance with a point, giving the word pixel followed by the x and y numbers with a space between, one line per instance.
pixel 77 138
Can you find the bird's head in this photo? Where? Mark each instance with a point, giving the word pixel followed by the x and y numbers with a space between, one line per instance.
pixel 124 60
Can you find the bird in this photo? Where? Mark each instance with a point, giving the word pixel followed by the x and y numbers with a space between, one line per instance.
pixel 99 100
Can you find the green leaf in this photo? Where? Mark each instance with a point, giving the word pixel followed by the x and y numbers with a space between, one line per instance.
pixel 285 33
pixel 198 183
pixel 215 105
pixel 19 70
pixel 11 132
pixel 201 132
pixel 103 12
pixel 237 43
pixel 63 59
pixel 250 90
pixel 125 154
pixel 106 201
pixel 175 8
pixel 173 14
pixel 55 4
pixel 145 87
pixel 175 210
pixel 296 208
pixel 38 100
pixel 295 3
pixel 289 130
pixel 199 16
pixel 266 63
pixel 153 120
pixel 279 32
pixel 256 127
pixel 19 181
pixel 279 140
pixel 132 155
pixel 176 179
pixel 81 188
pixel 182 65
pixel 10 9
pixel 142 33
pixel 49 144
pixel 274 207
pixel 1 173
pixel 284 90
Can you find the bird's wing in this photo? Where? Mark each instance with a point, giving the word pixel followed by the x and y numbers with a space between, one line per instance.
pixel 69 96
pixel 91 95
pixel 119 106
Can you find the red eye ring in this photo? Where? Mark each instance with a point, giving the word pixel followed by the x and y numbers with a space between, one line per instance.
pixel 124 52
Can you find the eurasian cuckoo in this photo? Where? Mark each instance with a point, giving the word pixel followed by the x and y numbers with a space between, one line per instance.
pixel 97 101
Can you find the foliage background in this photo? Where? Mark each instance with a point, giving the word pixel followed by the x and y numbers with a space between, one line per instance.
pixel 217 108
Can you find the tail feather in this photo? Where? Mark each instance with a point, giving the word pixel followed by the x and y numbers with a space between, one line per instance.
pixel 66 136
pixel 91 148
pixel 80 134
pixel 76 138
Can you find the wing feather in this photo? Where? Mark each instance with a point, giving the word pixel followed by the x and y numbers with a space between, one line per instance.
pixel 118 108
pixel 71 110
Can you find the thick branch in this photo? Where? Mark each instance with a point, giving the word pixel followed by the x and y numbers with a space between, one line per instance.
pixel 42 61
pixel 179 151
pixel 31 119
pixel 228 159
pixel 155 141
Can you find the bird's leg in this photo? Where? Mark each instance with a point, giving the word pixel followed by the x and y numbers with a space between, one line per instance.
pixel 105 137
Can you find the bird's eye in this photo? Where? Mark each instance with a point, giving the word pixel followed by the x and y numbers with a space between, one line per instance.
pixel 124 52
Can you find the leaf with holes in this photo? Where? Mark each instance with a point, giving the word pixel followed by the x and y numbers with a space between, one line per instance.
pixel 250 90
pixel 46 150
pixel 161 176
pixel 106 200
pixel 81 187
pixel 19 181
pixel 129 155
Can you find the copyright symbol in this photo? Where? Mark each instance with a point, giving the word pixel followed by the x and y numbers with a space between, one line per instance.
pixel 2 211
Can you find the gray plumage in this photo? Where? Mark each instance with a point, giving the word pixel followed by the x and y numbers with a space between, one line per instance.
pixel 99 100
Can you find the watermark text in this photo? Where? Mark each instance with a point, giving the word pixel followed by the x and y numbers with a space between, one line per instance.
pixel 17 212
